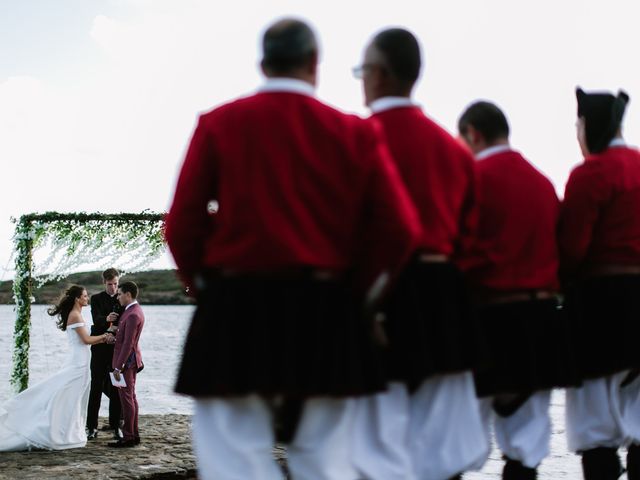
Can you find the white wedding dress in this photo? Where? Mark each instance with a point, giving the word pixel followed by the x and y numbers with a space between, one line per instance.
pixel 51 414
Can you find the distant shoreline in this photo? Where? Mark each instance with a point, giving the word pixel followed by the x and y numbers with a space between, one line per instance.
pixel 157 287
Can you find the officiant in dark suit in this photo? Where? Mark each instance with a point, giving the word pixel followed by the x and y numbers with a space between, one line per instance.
pixel 105 310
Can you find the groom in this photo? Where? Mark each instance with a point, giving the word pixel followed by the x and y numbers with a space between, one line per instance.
pixel 127 362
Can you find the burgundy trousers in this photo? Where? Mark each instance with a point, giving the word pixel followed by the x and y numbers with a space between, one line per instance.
pixel 129 403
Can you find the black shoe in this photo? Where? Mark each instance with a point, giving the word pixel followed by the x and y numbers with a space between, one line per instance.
pixel 137 440
pixel 633 462
pixel 123 443
pixel 601 463
pixel 515 470
pixel 92 433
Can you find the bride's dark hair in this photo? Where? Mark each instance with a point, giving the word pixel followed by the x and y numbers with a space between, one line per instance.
pixel 65 305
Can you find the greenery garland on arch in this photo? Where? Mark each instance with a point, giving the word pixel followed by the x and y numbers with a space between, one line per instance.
pixel 128 240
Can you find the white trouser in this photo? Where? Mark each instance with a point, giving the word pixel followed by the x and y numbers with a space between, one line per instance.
pixel 446 431
pixel 380 449
pixel 602 414
pixel 233 440
pixel 526 434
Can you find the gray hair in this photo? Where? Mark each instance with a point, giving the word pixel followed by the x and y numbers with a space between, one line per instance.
pixel 288 44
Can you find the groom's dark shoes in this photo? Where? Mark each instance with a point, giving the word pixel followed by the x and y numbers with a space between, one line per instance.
pixel 125 443
pixel 117 432
pixel 92 433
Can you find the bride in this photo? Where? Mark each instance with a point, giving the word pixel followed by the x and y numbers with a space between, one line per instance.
pixel 51 414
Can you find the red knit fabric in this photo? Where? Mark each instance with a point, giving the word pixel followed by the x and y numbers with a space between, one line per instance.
pixel 515 247
pixel 600 215
pixel 437 171
pixel 298 184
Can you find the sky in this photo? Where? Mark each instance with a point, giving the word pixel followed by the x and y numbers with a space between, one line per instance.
pixel 98 99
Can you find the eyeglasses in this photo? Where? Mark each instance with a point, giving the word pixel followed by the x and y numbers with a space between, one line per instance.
pixel 359 71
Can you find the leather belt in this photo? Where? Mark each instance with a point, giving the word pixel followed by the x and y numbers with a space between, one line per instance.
pixel 497 298
pixel 607 270
pixel 319 274
pixel 432 258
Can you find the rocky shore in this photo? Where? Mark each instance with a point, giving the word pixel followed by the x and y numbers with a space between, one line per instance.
pixel 157 287
pixel 164 454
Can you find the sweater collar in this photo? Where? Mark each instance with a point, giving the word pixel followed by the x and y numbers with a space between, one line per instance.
pixel 487 152
pixel 288 85
pixel 387 103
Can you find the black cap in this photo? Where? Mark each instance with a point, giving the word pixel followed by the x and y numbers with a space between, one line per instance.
pixel 602 113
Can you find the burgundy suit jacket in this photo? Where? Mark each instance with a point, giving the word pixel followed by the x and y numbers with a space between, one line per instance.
pixel 298 184
pixel 129 329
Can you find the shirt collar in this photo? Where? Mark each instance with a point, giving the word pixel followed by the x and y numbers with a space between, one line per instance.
pixel 131 305
pixel 387 103
pixel 487 152
pixel 290 85
pixel 618 142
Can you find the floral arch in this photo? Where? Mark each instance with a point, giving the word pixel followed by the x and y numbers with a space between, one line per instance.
pixel 130 240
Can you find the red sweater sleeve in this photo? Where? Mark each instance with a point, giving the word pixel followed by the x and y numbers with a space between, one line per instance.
pixel 584 193
pixel 188 221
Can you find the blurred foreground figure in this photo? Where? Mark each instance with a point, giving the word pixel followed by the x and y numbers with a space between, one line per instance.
pixel 511 264
pixel 310 212
pixel 600 258
pixel 427 425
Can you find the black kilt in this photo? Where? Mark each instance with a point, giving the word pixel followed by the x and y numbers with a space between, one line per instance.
pixel 530 348
pixel 295 336
pixel 428 324
pixel 605 320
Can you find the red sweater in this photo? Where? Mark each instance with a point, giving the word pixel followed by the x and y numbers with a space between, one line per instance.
pixel 298 184
pixel 600 217
pixel 515 245
pixel 438 173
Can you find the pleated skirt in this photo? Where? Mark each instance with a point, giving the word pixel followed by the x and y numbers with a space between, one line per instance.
pixel 530 347
pixel 429 325
pixel 605 320
pixel 297 336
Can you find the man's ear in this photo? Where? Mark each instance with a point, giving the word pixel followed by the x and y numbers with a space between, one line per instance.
pixel 313 63
pixel 472 134
pixel 264 69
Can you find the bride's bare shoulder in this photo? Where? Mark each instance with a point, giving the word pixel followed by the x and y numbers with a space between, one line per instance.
pixel 74 317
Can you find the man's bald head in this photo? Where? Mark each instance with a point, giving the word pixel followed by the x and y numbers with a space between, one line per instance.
pixel 288 46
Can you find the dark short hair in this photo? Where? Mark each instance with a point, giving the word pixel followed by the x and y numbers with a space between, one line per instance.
pixel 487 118
pixel 401 51
pixel 129 287
pixel 110 274
pixel 287 45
